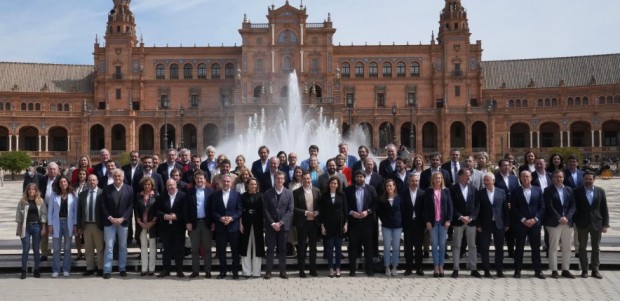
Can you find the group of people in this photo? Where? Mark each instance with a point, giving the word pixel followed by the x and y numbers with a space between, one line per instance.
pixel 260 211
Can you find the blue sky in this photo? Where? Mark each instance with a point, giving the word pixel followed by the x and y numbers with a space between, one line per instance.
pixel 47 31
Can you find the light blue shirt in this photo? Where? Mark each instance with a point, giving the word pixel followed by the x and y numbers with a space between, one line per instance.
pixel 200 202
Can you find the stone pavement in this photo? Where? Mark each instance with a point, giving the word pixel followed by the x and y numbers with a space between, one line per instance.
pixel 323 288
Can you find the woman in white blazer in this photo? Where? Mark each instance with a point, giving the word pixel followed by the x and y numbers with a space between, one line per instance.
pixel 61 223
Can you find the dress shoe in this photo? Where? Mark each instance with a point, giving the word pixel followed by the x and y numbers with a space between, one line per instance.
pixel 419 273
pixel 143 274
pixel 302 274
pixel 584 274
pixel 23 276
pixel 313 273
pixel 441 275
pixel 43 258
pixel 221 276
pixel 476 274
pixel 267 276
pixel 123 274
pixel 283 275
pixel 370 273
pixel 426 254
pixel 88 273
pixel 352 274
pixel 596 274
pixel 567 274
pixel 193 275
pixel 539 275
pixel 100 273
pixel 151 274
pixel 555 275
pixel 447 256
pixel 163 274
pixel 407 272
pixel 235 275
pixel 500 274
pixel 455 274
pixel 517 275
pixel 36 274
pixel 106 276
pixel 435 275
pixel 208 275
pixel 80 257
pixel 180 275
pixel 487 274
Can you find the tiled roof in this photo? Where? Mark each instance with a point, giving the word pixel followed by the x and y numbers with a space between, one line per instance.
pixel 552 72
pixel 54 78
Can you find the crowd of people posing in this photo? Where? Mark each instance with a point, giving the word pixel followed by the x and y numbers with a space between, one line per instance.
pixel 280 203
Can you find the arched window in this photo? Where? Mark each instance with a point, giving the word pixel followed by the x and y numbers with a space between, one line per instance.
pixel 30 107
pixel 554 102
pixel 511 103
pixel 174 71
pixel 359 70
pixel 52 107
pixel 7 106
pixel 215 70
pixel 188 70
pixel 577 101
pixel 518 103
pixel 23 106
pixel 387 69
pixel 400 69
pixel 547 102
pixel 345 70
pixel 66 107
pixel 616 100
pixel 540 102
pixel 610 99
pixel 37 107
pixel 524 103
pixel 1 106
pixel 202 71
pixel 59 107
pixel 287 37
pixel 415 69
pixel 287 64
pixel 570 101
pixel 160 71
pixel 584 100
pixel 601 100
pixel 373 70
pixel 229 71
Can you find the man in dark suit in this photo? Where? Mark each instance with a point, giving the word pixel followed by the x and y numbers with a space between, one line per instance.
pixel 362 203
pixel 560 204
pixel 413 224
pixel 343 149
pixel 388 165
pixel 507 181
pixel 373 179
pixel 147 171
pixel 117 206
pixel 170 212
pixel 261 166
pixel 453 166
pixel 198 222
pixel 289 169
pixel 132 168
pixel 306 214
pixel 363 152
pixel 542 178
pixel 209 165
pixel 108 179
pixel 226 212
pixel 278 204
pixel 164 169
pixel 400 175
pixel 493 220
pixel 188 176
pixel 425 176
pixel 31 176
pixel 465 213
pixel 100 169
pixel 592 219
pixel 90 225
pixel 267 180
pixel 528 211
pixel 573 178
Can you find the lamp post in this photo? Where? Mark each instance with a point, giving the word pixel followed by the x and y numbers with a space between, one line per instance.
pixel 394 109
pixel 411 103
pixel 77 153
pixel 181 113
pixel 349 109
pixel 164 104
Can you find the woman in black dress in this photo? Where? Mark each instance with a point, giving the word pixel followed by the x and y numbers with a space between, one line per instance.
pixel 252 240
pixel 333 219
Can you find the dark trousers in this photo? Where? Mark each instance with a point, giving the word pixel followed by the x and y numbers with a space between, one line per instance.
pixel 510 239
pixel 375 236
pixel 485 242
pixel 307 236
pixel 360 235
pixel 533 235
pixel 595 240
pixel 273 239
pixel 173 240
pixel 414 238
pixel 221 240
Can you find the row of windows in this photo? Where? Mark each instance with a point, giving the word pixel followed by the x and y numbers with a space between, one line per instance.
pixel 609 100
pixel 570 101
pixel 373 70
pixel 36 107
pixel 188 71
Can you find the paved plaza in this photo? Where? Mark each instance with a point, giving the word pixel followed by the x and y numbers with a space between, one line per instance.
pixel 322 288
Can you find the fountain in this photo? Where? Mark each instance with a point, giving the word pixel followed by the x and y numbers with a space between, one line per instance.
pixel 294 131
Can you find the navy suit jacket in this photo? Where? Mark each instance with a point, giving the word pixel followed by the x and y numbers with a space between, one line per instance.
pixel 555 208
pixel 448 166
pixel 376 181
pixel 351 160
pixel 125 205
pixel 369 203
pixel 513 182
pixel 127 170
pixel 400 184
pixel 385 168
pixel 191 214
pixel 281 210
pixel 498 210
pixel 409 208
pixel 568 178
pixel 234 209
pixel 596 214
pixel 257 168
pixel 536 181
pixel 464 207
pixel 425 178
pixel 522 210
pixel 160 187
pixel 178 208
pixel 429 206
pixel 162 170
pixel 391 215
pixel 358 165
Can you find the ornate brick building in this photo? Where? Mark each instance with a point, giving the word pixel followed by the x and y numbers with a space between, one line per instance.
pixel 430 97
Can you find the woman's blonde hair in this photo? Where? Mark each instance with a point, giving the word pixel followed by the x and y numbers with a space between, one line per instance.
pixel 37 198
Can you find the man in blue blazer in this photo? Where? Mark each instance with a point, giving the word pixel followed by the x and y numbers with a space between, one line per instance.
pixel 506 180
pixel 464 219
pixel 117 207
pixel 261 166
pixel 560 204
pixel 198 222
pixel 573 178
pixel 278 204
pixel 493 220
pixel 425 176
pixel 528 212
pixel 226 212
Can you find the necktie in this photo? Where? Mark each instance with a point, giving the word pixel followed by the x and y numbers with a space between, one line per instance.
pixel 590 195
pixel 456 172
pixel 91 206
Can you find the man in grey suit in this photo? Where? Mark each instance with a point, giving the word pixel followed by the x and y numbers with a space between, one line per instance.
pixel 476 175
pixel 90 225
pixel 278 206
pixel 591 218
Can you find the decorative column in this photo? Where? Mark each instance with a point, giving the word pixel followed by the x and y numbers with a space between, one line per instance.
pixel 592 136
pixel 46 143
pixel 561 138
pixel 10 142
pixel 16 143
pixel 567 138
pixel 69 143
pixel 40 142
pixel 508 142
pixel 600 138
pixel 531 139
pixel 538 139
